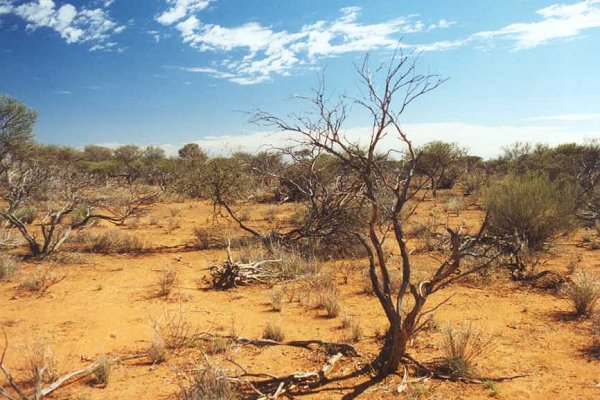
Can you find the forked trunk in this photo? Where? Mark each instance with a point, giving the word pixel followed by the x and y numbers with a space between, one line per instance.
pixel 394 348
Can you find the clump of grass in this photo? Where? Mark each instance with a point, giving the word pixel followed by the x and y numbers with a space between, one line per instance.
pixel 8 267
pixel 157 351
pixel 217 345
pixel 102 371
pixel 294 265
pixel 276 298
pixel 113 241
pixel 174 329
pixel 153 220
pixel 40 281
pixel 462 346
pixel 172 224
pixel 365 283
pixel 271 214
pixel 582 293
pixel 134 223
pixel 207 382
pixel 356 332
pixel 273 331
pixel 416 391
pixel 205 238
pixel 346 321
pixel 455 205
pixel 492 386
pixel 595 349
pixel 174 212
pixel 166 281
pixel 332 304
pixel 41 362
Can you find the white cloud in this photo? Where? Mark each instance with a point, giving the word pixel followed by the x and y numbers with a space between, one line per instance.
pixel 85 25
pixel 483 140
pixel 559 21
pixel 568 117
pixel 180 9
pixel 269 52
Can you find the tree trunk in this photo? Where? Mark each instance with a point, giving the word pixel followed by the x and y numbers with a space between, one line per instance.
pixel 393 350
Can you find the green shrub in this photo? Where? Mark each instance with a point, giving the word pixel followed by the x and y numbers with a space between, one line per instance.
pixel 531 207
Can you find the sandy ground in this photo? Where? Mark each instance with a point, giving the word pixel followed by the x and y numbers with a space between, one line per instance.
pixel 105 305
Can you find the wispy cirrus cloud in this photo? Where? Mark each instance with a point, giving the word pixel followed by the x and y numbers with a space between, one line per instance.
pixel 270 53
pixel 576 117
pixel 558 21
pixel 75 25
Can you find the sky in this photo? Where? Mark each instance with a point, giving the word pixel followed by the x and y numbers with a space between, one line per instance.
pixel 169 72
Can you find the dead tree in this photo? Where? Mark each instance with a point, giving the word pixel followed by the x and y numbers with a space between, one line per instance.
pixel 62 199
pixel 233 274
pixel 328 197
pixel 385 100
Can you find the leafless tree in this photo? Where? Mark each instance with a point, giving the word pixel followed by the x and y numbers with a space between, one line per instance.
pixel 62 199
pixel 385 191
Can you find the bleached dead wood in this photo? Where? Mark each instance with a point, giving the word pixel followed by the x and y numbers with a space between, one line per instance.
pixel 40 392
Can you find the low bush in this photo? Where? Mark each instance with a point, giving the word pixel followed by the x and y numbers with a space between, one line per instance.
pixel 531 207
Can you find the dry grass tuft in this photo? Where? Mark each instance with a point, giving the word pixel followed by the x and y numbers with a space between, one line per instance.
pixel 157 351
pixel 582 293
pixel 207 382
pixel 102 370
pixel 8 267
pixel 40 281
pixel 40 362
pixel 166 281
pixel 111 241
pixel 174 329
pixel 273 331
pixel 462 346
pixel 276 298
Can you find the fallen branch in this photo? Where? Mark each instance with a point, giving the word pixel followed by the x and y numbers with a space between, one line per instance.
pixel 345 349
pixel 433 373
pixel 41 392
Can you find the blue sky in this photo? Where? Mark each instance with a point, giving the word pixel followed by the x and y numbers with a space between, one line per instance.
pixel 168 72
